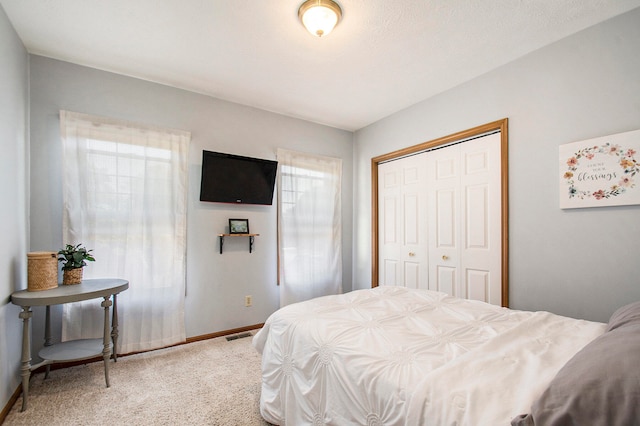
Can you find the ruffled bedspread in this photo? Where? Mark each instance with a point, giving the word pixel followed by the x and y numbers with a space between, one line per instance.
pixel 397 356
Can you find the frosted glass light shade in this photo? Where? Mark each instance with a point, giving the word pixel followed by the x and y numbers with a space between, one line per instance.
pixel 319 16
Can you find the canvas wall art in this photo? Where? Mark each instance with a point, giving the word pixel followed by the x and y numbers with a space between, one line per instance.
pixel 600 172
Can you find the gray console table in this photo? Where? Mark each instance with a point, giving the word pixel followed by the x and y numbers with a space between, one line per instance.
pixel 74 350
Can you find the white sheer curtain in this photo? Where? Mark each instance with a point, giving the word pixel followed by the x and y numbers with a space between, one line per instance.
pixel 309 226
pixel 125 197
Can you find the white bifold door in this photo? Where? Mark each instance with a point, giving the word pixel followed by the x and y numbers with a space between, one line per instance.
pixel 440 220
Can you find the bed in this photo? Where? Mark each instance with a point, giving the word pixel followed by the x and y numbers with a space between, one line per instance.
pixel 398 356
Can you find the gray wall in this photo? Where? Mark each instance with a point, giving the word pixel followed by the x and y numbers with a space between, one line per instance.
pixel 14 106
pixel 580 262
pixel 216 284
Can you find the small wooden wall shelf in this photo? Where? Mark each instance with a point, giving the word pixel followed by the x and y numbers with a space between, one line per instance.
pixel 251 236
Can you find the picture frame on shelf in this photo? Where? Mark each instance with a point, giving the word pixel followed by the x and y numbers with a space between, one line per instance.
pixel 238 226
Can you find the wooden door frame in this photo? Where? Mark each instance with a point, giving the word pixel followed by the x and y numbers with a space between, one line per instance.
pixel 502 126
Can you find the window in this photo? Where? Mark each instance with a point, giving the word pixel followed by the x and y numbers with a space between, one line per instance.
pixel 310 234
pixel 124 190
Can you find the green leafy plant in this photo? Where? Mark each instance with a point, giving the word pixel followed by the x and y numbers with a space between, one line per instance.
pixel 73 257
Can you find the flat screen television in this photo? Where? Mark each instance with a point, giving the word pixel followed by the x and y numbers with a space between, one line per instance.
pixel 228 178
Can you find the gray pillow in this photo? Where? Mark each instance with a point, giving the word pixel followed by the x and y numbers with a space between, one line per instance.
pixel 626 315
pixel 600 385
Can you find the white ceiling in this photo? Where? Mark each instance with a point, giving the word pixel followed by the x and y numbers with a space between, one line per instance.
pixel 384 55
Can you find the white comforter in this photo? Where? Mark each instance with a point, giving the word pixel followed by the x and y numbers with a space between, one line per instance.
pixel 395 356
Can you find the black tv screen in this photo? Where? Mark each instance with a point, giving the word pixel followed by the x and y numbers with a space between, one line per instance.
pixel 228 178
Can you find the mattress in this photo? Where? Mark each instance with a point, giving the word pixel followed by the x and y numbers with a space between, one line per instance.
pixel 398 356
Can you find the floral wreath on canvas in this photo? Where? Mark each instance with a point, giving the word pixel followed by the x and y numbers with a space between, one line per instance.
pixel 627 162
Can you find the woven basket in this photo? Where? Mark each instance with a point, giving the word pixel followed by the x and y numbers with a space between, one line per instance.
pixel 72 276
pixel 42 270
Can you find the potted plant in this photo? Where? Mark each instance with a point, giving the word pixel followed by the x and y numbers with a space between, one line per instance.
pixel 73 259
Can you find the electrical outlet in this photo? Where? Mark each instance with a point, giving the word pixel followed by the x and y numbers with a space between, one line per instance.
pixel 247 301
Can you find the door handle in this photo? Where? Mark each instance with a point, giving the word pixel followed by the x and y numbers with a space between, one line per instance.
pixel 411 254
pixel 445 257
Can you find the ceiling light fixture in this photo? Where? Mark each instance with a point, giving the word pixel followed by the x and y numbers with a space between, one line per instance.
pixel 319 16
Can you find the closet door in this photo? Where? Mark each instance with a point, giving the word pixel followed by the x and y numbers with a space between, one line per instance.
pixel 440 220
pixel 402 228
pixel 464 216
pixel 443 219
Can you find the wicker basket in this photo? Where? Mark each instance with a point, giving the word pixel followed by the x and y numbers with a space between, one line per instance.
pixel 42 270
pixel 72 276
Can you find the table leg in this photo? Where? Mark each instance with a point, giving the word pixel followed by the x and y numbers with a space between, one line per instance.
pixel 114 327
pixel 25 369
pixel 47 337
pixel 106 340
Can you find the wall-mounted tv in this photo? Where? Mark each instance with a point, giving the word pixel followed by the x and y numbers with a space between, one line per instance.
pixel 228 178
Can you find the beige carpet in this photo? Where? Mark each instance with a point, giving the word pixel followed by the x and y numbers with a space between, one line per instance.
pixel 212 382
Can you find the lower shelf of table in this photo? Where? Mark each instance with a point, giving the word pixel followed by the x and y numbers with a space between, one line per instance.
pixel 73 350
